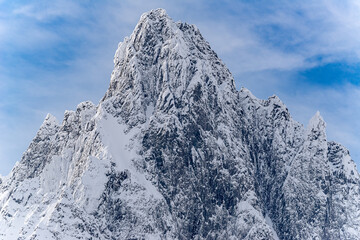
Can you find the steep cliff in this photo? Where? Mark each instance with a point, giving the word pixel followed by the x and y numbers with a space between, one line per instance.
pixel 174 151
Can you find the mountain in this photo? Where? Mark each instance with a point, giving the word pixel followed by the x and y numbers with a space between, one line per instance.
pixel 174 151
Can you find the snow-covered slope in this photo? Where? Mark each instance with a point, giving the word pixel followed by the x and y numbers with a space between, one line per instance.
pixel 174 151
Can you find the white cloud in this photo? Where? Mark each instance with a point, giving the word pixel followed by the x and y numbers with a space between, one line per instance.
pixel 263 44
pixel 244 51
pixel 43 10
pixel 295 34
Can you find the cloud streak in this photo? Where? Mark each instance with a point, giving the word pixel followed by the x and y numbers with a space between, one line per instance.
pixel 59 53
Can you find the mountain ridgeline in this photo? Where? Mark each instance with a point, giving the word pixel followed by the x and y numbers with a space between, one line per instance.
pixel 175 151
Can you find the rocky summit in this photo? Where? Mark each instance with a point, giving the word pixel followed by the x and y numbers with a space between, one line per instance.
pixel 175 151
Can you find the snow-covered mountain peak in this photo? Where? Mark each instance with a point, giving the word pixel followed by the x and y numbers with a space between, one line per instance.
pixel 154 14
pixel 317 127
pixel 316 121
pixel 50 120
pixel 85 106
pixel 153 19
pixel 49 126
pixel 174 151
pixel 164 64
pixel 246 93
pixel 275 102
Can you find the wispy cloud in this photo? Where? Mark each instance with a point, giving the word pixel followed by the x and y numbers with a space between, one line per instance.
pixel 45 11
pixel 59 53
pixel 290 35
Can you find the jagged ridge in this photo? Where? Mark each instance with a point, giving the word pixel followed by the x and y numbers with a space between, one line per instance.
pixel 174 151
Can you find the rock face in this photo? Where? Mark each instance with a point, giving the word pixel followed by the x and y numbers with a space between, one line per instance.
pixel 174 151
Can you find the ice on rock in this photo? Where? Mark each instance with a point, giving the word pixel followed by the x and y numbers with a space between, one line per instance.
pixel 49 125
pixel 50 119
pixel 317 126
pixel 174 151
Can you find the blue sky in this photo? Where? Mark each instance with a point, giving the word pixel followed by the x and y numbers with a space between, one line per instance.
pixel 55 54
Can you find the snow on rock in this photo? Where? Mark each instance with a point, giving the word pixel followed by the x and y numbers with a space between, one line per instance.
pixel 174 151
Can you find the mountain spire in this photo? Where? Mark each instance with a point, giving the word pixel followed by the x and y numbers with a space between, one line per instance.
pixel 317 127
pixel 174 151
pixel 163 59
